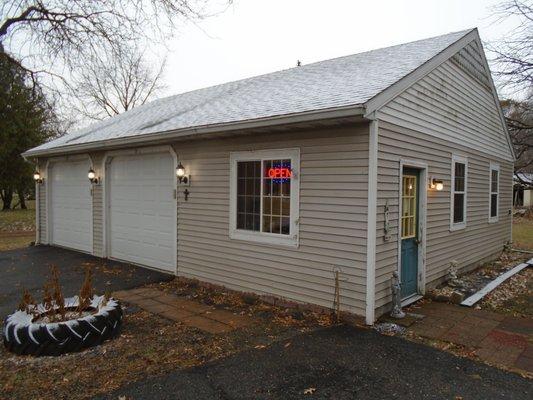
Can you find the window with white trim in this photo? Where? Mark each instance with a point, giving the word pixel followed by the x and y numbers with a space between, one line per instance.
pixel 494 188
pixel 458 192
pixel 264 196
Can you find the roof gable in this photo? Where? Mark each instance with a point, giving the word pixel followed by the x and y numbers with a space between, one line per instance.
pixel 466 53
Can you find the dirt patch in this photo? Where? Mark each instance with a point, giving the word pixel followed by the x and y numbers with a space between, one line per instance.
pixel 466 285
pixel 513 297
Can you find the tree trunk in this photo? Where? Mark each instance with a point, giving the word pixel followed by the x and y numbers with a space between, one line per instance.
pixel 22 199
pixel 7 198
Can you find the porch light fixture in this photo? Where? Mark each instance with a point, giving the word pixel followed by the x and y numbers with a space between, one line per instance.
pixel 180 173
pixel 92 176
pixel 437 184
pixel 37 177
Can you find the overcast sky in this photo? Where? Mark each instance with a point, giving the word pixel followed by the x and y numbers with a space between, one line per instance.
pixel 254 37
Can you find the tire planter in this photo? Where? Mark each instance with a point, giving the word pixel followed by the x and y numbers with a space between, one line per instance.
pixel 23 336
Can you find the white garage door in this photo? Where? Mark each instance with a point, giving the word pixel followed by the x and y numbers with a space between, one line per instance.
pixel 142 210
pixel 71 205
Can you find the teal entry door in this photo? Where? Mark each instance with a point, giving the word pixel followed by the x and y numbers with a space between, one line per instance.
pixel 409 232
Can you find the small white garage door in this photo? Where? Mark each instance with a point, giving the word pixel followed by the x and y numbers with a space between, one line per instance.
pixel 70 205
pixel 142 210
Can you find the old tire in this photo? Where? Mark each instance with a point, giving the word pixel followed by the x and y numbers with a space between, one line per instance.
pixel 22 336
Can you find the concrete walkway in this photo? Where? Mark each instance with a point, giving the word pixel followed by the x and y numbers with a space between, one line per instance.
pixel 495 338
pixel 191 313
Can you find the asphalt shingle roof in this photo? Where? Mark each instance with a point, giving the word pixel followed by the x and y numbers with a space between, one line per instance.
pixel 339 82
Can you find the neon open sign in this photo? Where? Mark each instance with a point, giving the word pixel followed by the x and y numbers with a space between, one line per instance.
pixel 279 172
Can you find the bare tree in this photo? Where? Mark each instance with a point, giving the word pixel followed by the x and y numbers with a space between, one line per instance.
pixel 514 53
pixel 45 36
pixel 108 86
pixel 513 61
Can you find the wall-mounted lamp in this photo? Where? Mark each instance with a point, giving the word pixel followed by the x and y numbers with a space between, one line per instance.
pixel 92 176
pixel 37 177
pixel 436 184
pixel 180 173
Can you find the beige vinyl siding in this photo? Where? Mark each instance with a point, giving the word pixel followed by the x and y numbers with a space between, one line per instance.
pixel 450 111
pixel 333 182
pixel 98 206
pixel 477 241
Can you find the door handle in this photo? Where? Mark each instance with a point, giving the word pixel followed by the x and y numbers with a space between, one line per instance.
pixel 418 241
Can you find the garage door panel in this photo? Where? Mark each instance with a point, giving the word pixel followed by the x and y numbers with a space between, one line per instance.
pixel 142 210
pixel 71 205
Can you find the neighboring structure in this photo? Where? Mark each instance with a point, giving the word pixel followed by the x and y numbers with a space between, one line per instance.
pixel 523 189
pixel 396 159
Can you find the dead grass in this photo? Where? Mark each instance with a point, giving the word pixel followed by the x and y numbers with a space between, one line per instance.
pixel 523 233
pixel 15 242
pixel 18 220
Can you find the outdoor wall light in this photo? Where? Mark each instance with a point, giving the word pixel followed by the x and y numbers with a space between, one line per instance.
pixel 92 176
pixel 37 177
pixel 436 184
pixel 180 173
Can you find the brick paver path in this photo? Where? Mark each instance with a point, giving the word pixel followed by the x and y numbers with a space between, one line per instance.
pixel 188 312
pixel 495 338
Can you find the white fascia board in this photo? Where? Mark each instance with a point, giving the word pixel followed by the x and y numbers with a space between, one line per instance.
pixel 159 137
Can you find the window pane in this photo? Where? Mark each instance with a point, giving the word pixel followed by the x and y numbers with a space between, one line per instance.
pixel 493 205
pixel 276 224
pixel 285 226
pixel 240 220
pixel 459 184
pixel 266 223
pixel 285 206
pixel 494 181
pixel 458 207
pixel 248 196
pixel 276 206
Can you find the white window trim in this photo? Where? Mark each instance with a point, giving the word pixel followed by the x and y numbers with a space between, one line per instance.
pixel 494 167
pixel 455 226
pixel 262 237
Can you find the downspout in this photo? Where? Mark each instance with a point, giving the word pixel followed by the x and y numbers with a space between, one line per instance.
pixel 371 219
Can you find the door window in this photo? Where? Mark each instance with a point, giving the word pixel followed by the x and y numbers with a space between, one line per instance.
pixel 409 207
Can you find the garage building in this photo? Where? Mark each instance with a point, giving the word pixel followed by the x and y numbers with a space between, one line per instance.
pixel 396 159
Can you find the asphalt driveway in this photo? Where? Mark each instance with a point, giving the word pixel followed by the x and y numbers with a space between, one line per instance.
pixel 338 363
pixel 29 268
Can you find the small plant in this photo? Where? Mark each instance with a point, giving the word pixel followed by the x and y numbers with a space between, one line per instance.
pixel 57 294
pixel 86 291
pixel 26 302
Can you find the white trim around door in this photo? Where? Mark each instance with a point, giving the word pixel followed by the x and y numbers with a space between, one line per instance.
pixel 422 216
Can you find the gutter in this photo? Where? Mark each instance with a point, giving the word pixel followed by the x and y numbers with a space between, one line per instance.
pixel 164 136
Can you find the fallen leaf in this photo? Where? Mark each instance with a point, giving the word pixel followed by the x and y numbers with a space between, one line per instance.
pixel 310 390
pixel 287 344
pixel 260 346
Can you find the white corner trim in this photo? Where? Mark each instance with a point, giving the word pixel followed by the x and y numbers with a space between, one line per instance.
pixel 371 221
pixel 293 238
pixel 455 226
